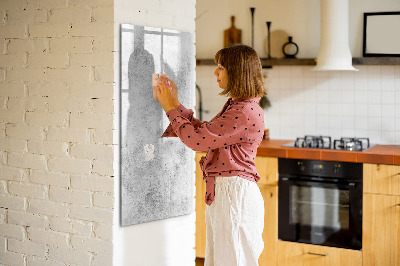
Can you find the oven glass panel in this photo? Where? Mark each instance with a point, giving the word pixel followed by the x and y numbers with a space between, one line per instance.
pixel 318 207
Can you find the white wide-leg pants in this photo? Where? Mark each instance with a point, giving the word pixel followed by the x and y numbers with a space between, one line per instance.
pixel 234 223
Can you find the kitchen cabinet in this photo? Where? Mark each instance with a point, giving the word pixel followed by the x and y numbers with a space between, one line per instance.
pixel 200 209
pixel 298 254
pixel 381 230
pixel 267 167
pixel 270 233
pixel 381 215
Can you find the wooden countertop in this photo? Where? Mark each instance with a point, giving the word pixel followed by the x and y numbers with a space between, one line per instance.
pixel 379 154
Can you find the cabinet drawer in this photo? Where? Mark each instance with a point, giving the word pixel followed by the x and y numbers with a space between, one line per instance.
pixel 293 254
pixel 381 179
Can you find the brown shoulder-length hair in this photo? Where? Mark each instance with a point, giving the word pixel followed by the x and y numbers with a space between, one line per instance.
pixel 245 78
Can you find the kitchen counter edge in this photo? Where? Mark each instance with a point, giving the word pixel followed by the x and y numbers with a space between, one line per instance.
pixel 378 154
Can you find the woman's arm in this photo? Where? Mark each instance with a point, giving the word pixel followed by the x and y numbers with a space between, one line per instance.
pixel 228 129
pixel 186 113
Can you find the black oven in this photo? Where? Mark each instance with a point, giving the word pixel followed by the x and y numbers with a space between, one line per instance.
pixel 320 202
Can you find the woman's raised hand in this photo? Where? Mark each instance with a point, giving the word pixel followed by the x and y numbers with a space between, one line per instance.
pixel 163 92
pixel 174 89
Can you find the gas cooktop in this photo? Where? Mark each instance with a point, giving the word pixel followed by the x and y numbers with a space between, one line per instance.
pixel 325 142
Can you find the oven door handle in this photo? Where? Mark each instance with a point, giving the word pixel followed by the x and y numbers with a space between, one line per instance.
pixel 330 184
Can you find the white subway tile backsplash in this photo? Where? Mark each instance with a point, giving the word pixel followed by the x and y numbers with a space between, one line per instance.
pixel 348 96
pixel 397 110
pixel 347 110
pixel 387 72
pixel 338 103
pixel 360 97
pixel 348 133
pixel 374 111
pixel 308 72
pixel 374 70
pixel 374 123
pixel 284 72
pixel 360 133
pixel 297 72
pixel 334 76
pixel 388 84
pixel 374 97
pixel 297 83
pixel 397 135
pixel 348 122
pixel 397 123
pixel 322 109
pixel 361 123
pixel 297 121
pixel 335 95
pixel 397 96
pixel 284 83
pixel 347 77
pixel 388 97
pixel 361 110
pixel 397 71
pixel 322 74
pixel 375 136
pixel 374 84
pixel 334 109
pixel 388 111
pixel 388 124
pixel 389 136
pixel 360 80
pixel 310 130
pixel 286 120
pixel 322 121
pixel 285 132
pixel 310 95
pixel 310 109
pixel 322 95
pixel 297 97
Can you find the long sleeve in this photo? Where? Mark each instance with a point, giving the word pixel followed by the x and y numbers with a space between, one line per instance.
pixel 186 113
pixel 224 130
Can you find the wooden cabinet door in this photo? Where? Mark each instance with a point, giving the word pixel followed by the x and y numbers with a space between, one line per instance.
pixel 381 179
pixel 298 254
pixel 381 230
pixel 270 233
pixel 267 168
pixel 200 209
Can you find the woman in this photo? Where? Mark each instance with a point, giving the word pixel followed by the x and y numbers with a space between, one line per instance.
pixel 235 207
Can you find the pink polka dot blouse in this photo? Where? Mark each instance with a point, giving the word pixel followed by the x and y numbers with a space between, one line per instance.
pixel 231 139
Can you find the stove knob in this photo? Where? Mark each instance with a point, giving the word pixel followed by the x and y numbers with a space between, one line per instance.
pixel 336 169
pixel 302 167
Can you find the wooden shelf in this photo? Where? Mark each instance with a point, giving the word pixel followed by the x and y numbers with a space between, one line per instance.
pixel 312 61
pixel 376 61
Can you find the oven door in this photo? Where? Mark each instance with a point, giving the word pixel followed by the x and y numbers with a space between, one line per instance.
pixel 321 212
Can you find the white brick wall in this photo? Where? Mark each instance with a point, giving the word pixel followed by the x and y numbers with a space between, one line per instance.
pixel 56 126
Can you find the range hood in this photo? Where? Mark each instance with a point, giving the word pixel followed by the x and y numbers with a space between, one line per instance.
pixel 334 51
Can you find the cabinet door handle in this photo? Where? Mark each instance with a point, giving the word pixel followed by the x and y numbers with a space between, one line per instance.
pixel 318 254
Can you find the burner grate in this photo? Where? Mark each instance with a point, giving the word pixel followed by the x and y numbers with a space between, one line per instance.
pixel 320 142
pixel 351 144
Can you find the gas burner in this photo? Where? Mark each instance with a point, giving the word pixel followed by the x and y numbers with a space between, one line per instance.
pixel 324 142
pixel 351 144
pixel 308 141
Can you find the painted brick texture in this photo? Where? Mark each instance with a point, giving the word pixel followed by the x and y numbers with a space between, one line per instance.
pixel 56 129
